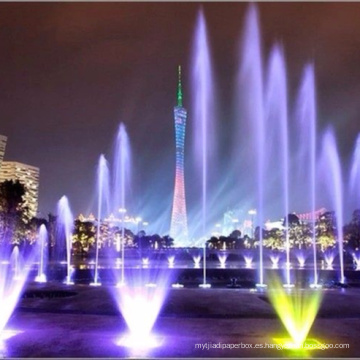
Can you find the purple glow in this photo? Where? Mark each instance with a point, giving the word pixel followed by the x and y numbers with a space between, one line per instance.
pixel 12 280
pixel 203 101
pixel 222 260
pixel 171 261
pixel 103 197
pixel 306 112
pixel 332 161
pixel 42 239
pixel 251 90
pixel 66 224
pixel 277 115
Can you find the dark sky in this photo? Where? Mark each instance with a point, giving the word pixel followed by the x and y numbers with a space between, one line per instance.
pixel 70 72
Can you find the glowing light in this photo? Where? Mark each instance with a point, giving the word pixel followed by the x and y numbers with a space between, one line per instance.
pixel 197 260
pixel 171 261
pixel 145 262
pixel 40 278
pixel 205 286
pixel 178 227
pixel 329 259
pixel 356 258
pixel 248 261
pixel 307 345
pixel 140 307
pixel 222 260
pixel 131 341
pixel 275 261
pixel 177 286
pixel 296 309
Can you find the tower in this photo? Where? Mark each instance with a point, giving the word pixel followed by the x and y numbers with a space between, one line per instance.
pixel 178 228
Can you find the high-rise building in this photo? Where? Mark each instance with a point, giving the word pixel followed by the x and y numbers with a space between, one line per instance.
pixel 28 176
pixel 3 141
pixel 179 228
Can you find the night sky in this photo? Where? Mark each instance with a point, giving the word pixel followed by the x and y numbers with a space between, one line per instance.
pixel 71 72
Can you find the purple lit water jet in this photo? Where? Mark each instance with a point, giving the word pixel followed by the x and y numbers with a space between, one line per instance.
pixel 277 113
pixel 331 160
pixel 65 227
pixel 103 197
pixel 251 79
pixel 42 239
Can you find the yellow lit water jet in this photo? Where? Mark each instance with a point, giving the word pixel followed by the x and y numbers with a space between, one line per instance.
pixel 296 308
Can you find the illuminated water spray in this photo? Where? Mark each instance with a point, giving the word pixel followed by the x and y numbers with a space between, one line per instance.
pixel 42 239
pixel 65 229
pixel 277 113
pixel 251 78
pixel 203 109
pixel 331 159
pixel 122 180
pixel 297 310
pixel 102 192
pixel 11 285
pixel 306 112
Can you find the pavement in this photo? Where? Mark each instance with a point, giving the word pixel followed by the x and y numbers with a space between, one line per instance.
pixel 55 321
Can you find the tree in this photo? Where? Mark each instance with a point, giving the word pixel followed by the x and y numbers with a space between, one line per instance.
pixel 352 232
pixel 83 236
pixel 14 215
pixel 326 230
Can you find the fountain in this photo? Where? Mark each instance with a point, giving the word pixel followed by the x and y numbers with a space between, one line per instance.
pixel 103 198
pixel 222 260
pixel 248 261
pixel 277 116
pixel 331 159
pixel 329 257
pixel 202 87
pixel 306 113
pixel 251 87
pixel 171 261
pixel 121 182
pixel 42 239
pixel 297 309
pixel 65 228
pixel 275 261
pixel 13 277
pixel 197 260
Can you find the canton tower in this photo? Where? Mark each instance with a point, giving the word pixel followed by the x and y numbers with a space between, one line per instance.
pixel 178 228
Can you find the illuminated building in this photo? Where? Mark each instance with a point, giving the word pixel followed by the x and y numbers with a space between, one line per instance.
pixel 3 140
pixel 179 228
pixel 28 176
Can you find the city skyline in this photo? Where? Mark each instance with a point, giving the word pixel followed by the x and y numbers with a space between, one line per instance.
pixel 77 70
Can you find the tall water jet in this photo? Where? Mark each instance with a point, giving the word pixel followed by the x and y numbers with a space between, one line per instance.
pixel 103 197
pixel 42 239
pixel 12 280
pixel 306 112
pixel 355 172
pixel 330 158
pixel 203 103
pixel 251 84
pixel 277 115
pixel 122 180
pixel 65 229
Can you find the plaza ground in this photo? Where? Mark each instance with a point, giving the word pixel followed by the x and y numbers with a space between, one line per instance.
pixel 55 320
